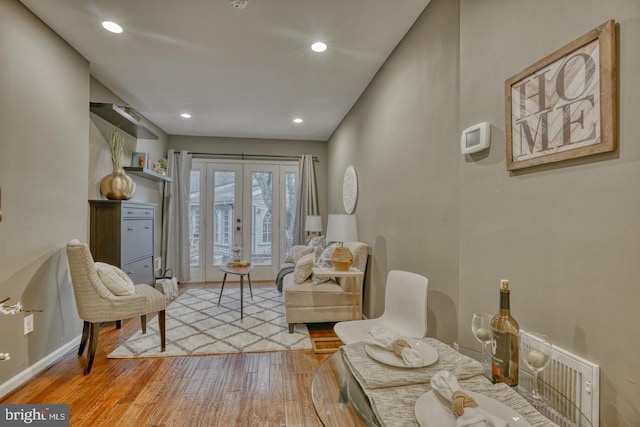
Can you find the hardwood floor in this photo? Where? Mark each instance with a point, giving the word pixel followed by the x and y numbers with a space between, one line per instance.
pixel 262 389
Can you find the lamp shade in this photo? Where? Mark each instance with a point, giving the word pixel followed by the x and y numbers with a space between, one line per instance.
pixel 313 223
pixel 342 228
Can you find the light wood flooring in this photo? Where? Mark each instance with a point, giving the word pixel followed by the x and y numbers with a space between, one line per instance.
pixel 262 389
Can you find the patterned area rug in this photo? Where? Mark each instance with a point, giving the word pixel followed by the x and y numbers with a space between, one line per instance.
pixel 197 326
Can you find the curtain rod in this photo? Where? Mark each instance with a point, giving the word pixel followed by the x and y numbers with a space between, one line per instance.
pixel 243 156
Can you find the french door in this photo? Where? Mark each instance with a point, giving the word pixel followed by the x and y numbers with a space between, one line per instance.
pixel 245 204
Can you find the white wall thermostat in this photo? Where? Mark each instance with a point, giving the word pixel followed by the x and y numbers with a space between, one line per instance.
pixel 476 138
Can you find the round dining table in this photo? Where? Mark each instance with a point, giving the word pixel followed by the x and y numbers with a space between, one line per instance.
pixel 339 400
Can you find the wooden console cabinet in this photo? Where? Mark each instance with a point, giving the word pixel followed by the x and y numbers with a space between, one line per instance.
pixel 121 234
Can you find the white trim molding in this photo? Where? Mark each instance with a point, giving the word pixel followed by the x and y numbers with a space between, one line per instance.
pixel 33 370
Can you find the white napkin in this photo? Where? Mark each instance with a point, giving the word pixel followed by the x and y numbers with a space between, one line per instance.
pixel 445 383
pixel 384 339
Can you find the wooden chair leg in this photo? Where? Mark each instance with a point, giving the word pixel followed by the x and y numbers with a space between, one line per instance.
pixel 93 344
pixel 163 334
pixel 143 320
pixel 85 337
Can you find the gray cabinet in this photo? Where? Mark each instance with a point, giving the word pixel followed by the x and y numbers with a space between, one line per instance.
pixel 121 234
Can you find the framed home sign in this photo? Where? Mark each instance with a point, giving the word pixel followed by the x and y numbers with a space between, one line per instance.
pixel 564 106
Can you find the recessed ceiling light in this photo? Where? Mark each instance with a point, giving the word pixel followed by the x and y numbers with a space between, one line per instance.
pixel 318 47
pixel 185 115
pixel 297 120
pixel 112 26
pixel 239 4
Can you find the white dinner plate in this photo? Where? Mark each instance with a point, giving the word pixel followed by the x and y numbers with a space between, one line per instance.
pixel 432 410
pixel 428 353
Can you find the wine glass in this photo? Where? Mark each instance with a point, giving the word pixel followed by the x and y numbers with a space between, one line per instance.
pixel 535 352
pixel 481 328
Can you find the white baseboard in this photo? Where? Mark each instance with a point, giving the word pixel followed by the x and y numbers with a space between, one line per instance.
pixel 33 370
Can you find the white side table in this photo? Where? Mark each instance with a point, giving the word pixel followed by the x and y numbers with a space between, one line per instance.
pixel 356 294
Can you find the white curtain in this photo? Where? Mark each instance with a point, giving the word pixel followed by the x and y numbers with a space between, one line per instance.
pixel 175 220
pixel 307 198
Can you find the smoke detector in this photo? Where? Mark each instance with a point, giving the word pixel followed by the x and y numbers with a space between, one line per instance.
pixel 239 4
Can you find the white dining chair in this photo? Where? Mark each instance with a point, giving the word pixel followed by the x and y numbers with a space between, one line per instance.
pixel 405 310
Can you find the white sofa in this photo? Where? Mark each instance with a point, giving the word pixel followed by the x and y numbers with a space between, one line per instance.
pixel 326 302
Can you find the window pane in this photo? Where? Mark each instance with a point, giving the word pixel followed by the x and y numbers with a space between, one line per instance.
pixel 289 209
pixel 266 229
pixel 194 219
pixel 224 193
pixel 261 201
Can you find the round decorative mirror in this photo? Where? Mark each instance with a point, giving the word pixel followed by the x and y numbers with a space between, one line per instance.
pixel 350 190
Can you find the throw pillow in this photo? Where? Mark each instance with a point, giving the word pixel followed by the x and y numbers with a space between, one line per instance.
pixel 318 244
pixel 303 268
pixel 325 261
pixel 297 252
pixel 115 279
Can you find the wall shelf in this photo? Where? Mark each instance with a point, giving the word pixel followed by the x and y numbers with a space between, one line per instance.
pixel 119 117
pixel 147 174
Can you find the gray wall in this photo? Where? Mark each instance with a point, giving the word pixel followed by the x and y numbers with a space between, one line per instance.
pixel 147 191
pixel 44 158
pixel 52 158
pixel 277 147
pixel 567 235
pixel 400 137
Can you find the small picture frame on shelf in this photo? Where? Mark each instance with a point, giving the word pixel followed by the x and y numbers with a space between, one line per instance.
pixel 140 160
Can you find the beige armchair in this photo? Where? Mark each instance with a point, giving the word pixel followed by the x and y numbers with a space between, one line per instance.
pixel 96 303
pixel 331 301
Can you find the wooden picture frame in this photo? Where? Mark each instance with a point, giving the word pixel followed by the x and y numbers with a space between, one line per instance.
pixel 140 160
pixel 564 106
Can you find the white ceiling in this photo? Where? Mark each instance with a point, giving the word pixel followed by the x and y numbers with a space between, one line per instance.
pixel 239 72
